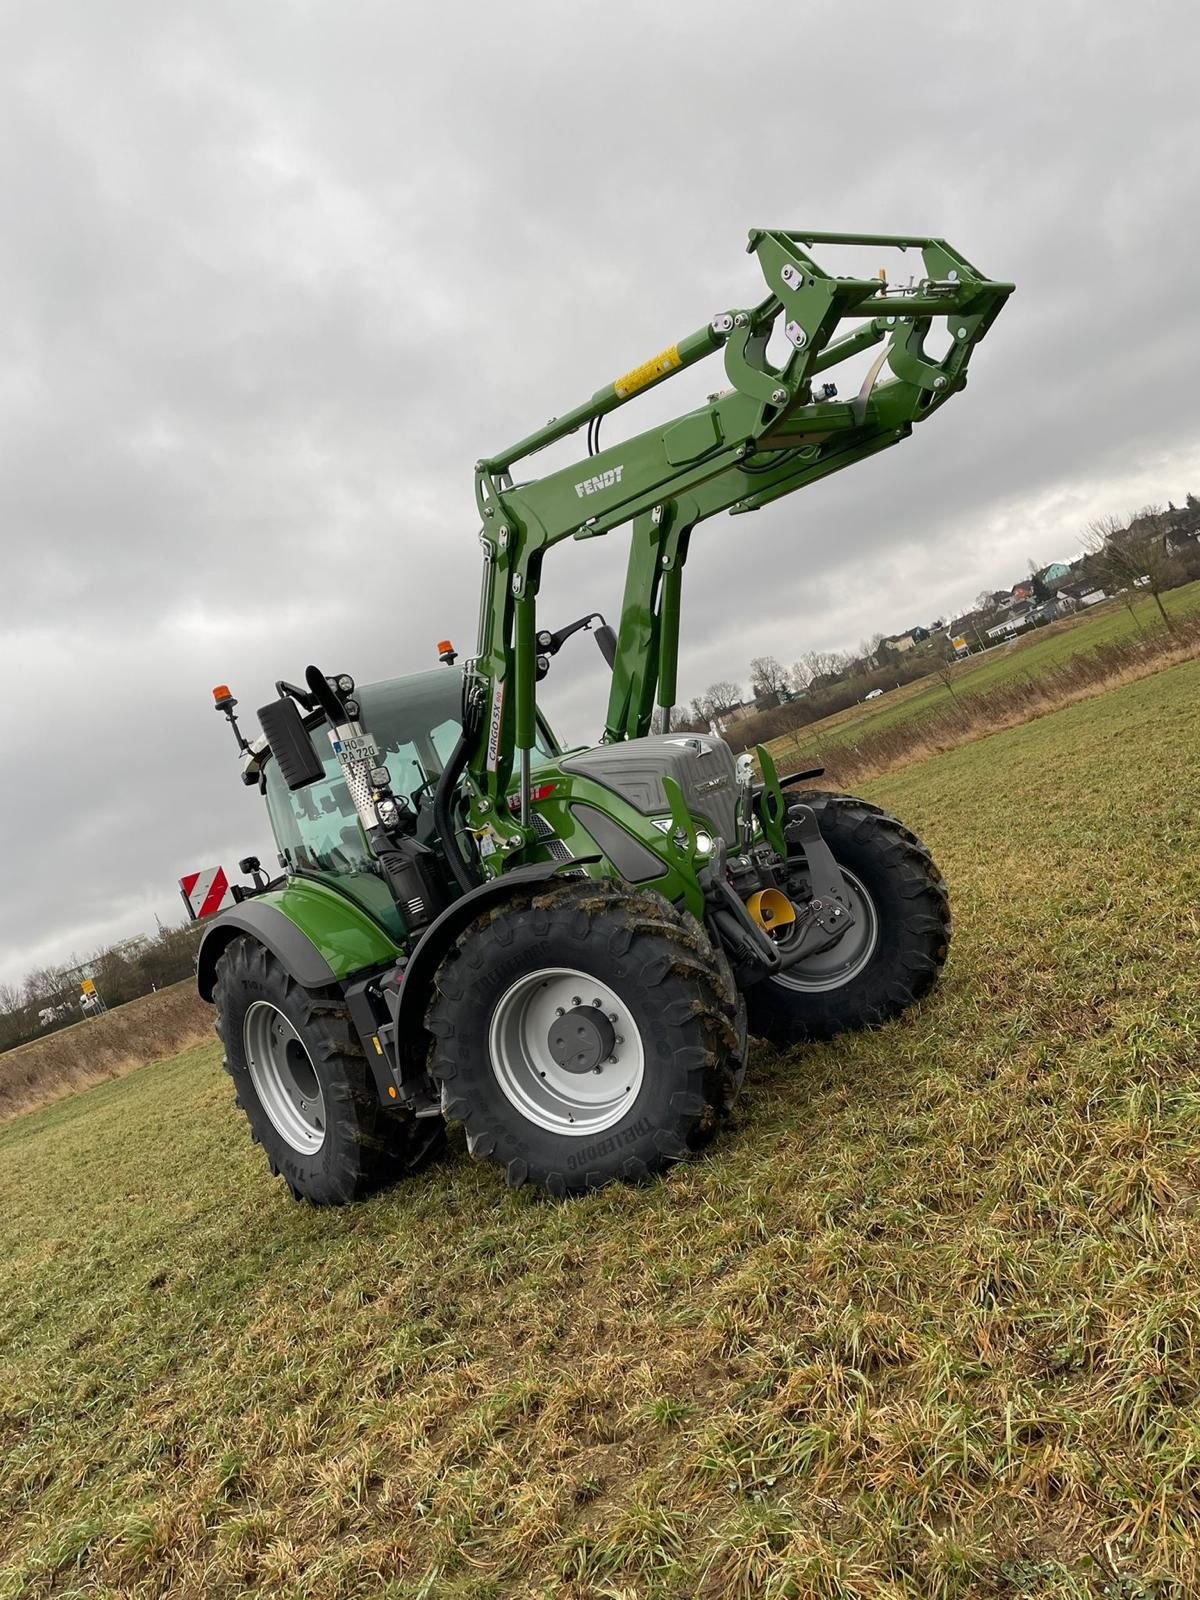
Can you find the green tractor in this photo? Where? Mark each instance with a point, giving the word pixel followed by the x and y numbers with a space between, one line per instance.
pixel 565 950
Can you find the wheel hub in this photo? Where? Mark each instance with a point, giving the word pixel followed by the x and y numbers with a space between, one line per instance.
pixel 582 1038
pixel 839 954
pixel 566 1051
pixel 284 1077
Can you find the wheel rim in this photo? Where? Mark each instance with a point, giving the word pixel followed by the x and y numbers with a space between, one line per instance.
pixel 284 1077
pixel 545 1051
pixel 843 961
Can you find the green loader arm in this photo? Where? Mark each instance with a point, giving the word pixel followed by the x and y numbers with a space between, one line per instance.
pixel 773 431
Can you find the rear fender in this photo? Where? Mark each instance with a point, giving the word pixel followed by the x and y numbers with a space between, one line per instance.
pixel 320 936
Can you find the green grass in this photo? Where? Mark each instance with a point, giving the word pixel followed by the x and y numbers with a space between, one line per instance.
pixel 925 1322
pixel 1030 655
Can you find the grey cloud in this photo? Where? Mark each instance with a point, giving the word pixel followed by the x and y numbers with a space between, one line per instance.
pixel 272 277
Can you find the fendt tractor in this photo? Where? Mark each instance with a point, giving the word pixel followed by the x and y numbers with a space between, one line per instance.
pixel 565 949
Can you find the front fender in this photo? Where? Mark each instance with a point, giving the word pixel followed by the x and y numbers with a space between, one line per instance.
pixel 318 934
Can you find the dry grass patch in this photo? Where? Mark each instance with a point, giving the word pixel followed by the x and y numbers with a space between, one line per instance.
pixel 99 1048
pixel 963 713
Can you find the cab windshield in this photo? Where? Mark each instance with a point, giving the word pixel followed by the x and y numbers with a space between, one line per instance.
pixel 415 723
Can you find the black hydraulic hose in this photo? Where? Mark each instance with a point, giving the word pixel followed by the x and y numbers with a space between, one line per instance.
pixel 443 817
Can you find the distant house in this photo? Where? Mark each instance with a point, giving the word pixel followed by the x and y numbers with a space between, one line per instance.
pixel 1180 539
pixel 1023 590
pixel 725 719
pixel 1002 629
pixel 1081 594
pixel 1020 616
pixel 901 642
pixel 1054 574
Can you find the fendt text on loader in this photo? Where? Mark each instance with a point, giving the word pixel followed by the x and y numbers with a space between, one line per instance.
pixel 565 949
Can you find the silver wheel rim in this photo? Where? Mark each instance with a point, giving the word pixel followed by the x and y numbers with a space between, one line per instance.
pixel 843 961
pixel 284 1077
pixel 555 1097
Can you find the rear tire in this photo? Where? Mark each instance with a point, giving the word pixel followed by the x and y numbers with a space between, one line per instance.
pixel 302 1079
pixel 899 895
pixel 584 1034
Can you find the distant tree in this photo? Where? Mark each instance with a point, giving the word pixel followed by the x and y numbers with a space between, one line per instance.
pixel 945 671
pixel 983 601
pixel 718 699
pixel 42 984
pixel 1130 556
pixel 768 675
pixel 1041 592
pixel 814 664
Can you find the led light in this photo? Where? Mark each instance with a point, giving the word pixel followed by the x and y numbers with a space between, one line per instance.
pixel 222 692
pixel 704 844
pixel 388 813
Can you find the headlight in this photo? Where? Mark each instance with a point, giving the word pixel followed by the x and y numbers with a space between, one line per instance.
pixel 704 844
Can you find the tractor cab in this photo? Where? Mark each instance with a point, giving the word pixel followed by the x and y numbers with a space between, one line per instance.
pixel 415 723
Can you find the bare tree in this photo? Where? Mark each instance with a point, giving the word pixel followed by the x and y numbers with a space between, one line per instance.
pixel 768 675
pixel 1130 556
pixel 818 664
pixel 945 671
pixel 724 695
pixel 716 700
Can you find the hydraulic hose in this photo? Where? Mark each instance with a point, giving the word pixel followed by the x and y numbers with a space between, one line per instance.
pixel 443 818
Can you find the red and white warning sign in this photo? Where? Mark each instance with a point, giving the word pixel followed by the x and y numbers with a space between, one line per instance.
pixel 206 892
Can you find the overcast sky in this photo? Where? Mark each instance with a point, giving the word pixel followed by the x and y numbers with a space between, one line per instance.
pixel 273 276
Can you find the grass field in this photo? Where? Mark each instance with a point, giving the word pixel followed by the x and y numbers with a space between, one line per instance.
pixel 925 1323
pixel 1029 656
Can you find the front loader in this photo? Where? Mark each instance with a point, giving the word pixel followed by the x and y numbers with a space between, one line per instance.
pixel 565 950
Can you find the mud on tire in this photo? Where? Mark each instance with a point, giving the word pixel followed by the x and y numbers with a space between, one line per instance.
pixel 909 901
pixel 362 1145
pixel 664 980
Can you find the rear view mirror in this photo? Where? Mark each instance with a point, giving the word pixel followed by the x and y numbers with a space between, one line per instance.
pixel 290 744
pixel 607 640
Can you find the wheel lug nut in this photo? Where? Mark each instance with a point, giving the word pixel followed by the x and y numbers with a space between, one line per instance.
pixel 575 1000
pixel 559 1011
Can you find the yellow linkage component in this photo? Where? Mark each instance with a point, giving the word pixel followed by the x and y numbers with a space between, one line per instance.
pixel 771 909
pixel 649 372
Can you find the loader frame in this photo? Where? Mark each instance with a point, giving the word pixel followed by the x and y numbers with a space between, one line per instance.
pixel 771 433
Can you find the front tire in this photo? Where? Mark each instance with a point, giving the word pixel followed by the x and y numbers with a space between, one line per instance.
pixel 583 1035
pixel 300 1076
pixel 891 957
